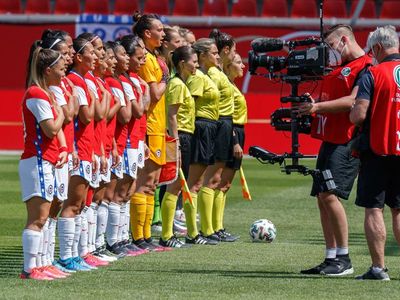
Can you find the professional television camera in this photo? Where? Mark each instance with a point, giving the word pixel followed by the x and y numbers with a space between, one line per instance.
pixel 307 64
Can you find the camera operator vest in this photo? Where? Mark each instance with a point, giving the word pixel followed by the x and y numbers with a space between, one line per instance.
pixel 385 109
pixel 336 128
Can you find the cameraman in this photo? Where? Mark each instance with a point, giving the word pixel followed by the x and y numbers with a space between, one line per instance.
pixel 331 124
pixel 377 110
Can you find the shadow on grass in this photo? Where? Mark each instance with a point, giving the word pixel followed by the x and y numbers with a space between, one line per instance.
pixel 11 261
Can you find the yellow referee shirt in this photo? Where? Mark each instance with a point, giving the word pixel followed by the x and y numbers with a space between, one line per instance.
pixel 178 93
pixel 240 111
pixel 225 87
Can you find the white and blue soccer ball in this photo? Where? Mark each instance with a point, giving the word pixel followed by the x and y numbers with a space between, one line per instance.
pixel 262 231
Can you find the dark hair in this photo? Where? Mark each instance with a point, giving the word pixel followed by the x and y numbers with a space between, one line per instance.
pixel 52 43
pixel 142 23
pixel 41 59
pixel 221 39
pixel 130 43
pixel 182 53
pixel 50 33
pixel 80 44
pixel 341 27
pixel 112 45
pixel 87 36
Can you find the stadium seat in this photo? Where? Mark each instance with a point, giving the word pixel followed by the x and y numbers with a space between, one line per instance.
pixel 160 7
pixel 335 9
pixel 125 7
pixel 244 8
pixel 275 8
pixel 215 8
pixel 368 11
pixel 390 9
pixel 10 7
pixel 186 8
pixel 304 9
pixel 37 7
pixel 97 7
pixel 72 7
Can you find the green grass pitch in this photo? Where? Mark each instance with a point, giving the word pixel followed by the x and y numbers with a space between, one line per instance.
pixel 241 270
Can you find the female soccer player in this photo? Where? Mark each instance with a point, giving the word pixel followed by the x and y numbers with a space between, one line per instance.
pixel 181 118
pixel 206 95
pixel 44 149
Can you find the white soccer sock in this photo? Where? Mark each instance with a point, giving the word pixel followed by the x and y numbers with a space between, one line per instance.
pixel 114 212
pixel 342 251
pixel 122 221
pixel 83 240
pixel 330 252
pixel 125 233
pixel 90 216
pixel 45 243
pixel 30 247
pixel 66 235
pixel 77 235
pixel 102 217
pixel 52 239
pixel 39 254
pixel 95 207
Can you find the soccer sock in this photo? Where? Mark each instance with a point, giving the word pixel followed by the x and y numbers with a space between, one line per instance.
pixel 122 219
pixel 138 215
pixel 168 207
pixel 114 213
pixel 342 251
pixel 66 236
pixel 39 253
pixel 91 230
pixel 125 231
pixel 157 207
pixel 30 246
pixel 83 240
pixel 218 210
pixel 190 215
pixel 149 216
pixel 330 252
pixel 52 239
pixel 77 235
pixel 102 217
pixel 45 242
pixel 206 203
pixel 95 207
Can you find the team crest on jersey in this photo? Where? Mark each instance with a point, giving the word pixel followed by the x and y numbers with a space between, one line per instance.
pixel 158 153
pixel 140 158
pixel 346 71
pixel 88 169
pixel 396 76
pixel 134 167
pixel 50 190
pixel 61 189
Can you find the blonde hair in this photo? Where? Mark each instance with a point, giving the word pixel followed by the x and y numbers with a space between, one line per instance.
pixel 41 60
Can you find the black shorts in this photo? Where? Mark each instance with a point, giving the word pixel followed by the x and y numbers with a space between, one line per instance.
pixel 186 141
pixel 203 147
pixel 378 181
pixel 224 140
pixel 343 166
pixel 236 163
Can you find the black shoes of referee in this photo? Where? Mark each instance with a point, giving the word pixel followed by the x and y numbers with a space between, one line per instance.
pixel 339 266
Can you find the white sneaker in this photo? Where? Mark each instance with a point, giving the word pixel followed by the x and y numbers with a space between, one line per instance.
pixel 156 228
pixel 180 215
pixel 179 229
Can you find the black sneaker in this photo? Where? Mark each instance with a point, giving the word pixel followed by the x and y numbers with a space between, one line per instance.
pixel 173 242
pixel 212 237
pixel 199 240
pixel 341 266
pixel 317 269
pixel 371 275
pixel 116 250
pixel 226 236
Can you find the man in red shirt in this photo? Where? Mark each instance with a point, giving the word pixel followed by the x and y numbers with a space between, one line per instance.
pixel 377 110
pixel 332 126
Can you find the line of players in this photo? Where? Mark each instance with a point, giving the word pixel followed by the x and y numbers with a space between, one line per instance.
pixel 95 122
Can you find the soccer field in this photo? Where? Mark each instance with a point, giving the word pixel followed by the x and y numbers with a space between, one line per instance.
pixel 241 270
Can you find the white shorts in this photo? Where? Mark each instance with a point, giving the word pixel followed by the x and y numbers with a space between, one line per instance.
pixel 61 183
pixel 37 178
pixel 117 171
pixel 84 170
pixel 106 177
pixel 95 182
pixel 140 160
pixel 129 165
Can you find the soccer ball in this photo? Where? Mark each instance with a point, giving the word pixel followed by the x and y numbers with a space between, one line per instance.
pixel 262 231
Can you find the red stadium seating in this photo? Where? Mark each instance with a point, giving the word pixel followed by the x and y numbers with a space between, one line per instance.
pixel 186 8
pixel 275 8
pixel 335 9
pixel 368 11
pixel 215 8
pixel 97 7
pixel 390 9
pixel 72 7
pixel 160 7
pixel 37 7
pixel 10 7
pixel 304 8
pixel 244 8
pixel 125 7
